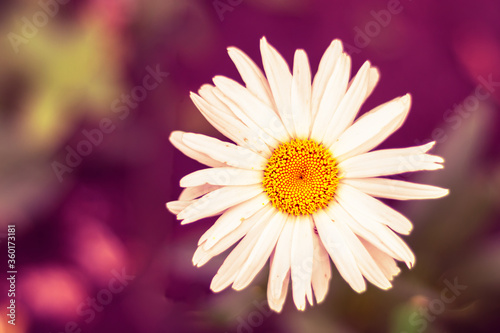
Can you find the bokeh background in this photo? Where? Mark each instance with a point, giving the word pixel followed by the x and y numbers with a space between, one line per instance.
pixel 69 67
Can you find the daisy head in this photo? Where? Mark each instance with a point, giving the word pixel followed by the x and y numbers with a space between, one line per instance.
pixel 299 182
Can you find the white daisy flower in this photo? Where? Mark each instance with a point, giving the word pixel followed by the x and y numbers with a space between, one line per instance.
pixel 298 185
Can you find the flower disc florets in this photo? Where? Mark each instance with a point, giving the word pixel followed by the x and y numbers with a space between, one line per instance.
pixel 301 177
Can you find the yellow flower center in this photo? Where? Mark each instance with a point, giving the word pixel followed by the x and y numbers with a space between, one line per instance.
pixel 300 177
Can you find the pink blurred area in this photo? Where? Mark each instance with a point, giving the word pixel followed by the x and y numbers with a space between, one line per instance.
pixel 96 249
pixel 51 291
pixel 92 224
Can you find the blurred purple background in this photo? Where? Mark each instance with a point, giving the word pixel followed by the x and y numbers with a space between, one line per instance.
pixel 96 250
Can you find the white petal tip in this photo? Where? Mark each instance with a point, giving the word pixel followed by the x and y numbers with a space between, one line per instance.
pixel 320 299
pixel 218 80
pixel 204 89
pixel 275 307
pixel 195 261
pixel 405 232
pixel 215 290
pixel 359 289
pixel 202 261
pixel 215 286
pixel 336 42
pixel 175 135
pixel 197 100
pixel 406 99
pixel 430 145
pixel 301 53
pixel 301 304
pixel 237 287
pixel 386 287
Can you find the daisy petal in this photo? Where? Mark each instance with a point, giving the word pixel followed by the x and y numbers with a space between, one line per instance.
pixel 280 80
pixel 203 253
pixel 389 162
pixel 301 95
pixel 335 209
pixel 373 77
pixel 191 193
pixel 218 119
pixel 202 256
pixel 230 126
pixel 253 77
pixel 349 106
pixel 396 189
pixel 309 295
pixel 222 176
pixel 175 207
pixel 176 140
pixel 325 70
pixel 276 303
pixel 386 263
pixel 337 248
pixel 377 233
pixel 217 201
pixel 225 153
pixel 366 264
pixel 253 108
pixel 322 271
pixel 207 92
pixel 334 92
pixel 249 135
pixel 376 209
pixel 236 259
pixel 280 267
pixel 259 132
pixel 371 129
pixel 261 251
pixel 231 219
pixel 301 260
